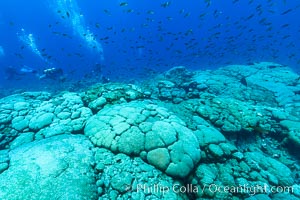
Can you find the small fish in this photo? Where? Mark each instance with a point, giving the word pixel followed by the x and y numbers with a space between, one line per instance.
pixel 207 3
pixel 286 36
pixel 150 12
pixel 105 38
pixel 56 32
pixel 149 19
pixel 166 4
pixel 123 4
pixel 107 12
pixel 271 11
pixel 68 14
pixel 286 12
pixel 130 11
pixel 250 16
pixel 187 14
pixel 97 25
pixel 201 16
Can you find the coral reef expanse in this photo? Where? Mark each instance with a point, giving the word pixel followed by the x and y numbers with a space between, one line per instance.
pixel 229 133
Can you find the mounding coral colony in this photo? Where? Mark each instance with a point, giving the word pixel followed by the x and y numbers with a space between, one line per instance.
pixel 230 133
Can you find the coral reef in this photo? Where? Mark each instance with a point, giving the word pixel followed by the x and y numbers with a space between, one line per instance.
pixel 230 133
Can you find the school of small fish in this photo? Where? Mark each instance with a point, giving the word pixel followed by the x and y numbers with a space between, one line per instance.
pixel 146 40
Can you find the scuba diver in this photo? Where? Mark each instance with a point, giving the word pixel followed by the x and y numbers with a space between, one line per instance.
pixel 97 72
pixel 13 73
pixel 52 73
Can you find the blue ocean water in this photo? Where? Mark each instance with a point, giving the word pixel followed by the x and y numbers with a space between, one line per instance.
pixel 193 130
pixel 133 39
